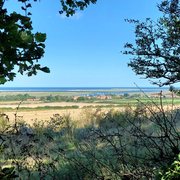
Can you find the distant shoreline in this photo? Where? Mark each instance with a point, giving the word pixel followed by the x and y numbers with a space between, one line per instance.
pixel 81 89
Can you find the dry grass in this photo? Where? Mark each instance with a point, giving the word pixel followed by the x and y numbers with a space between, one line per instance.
pixel 29 116
pixel 51 104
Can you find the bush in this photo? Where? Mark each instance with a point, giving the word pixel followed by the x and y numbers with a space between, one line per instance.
pixel 172 172
pixel 136 143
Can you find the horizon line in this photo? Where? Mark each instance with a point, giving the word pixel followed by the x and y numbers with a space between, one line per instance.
pixel 83 87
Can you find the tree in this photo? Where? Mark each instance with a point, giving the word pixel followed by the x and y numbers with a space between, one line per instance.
pixel 20 47
pixel 157 46
pixel 69 7
pixel 155 54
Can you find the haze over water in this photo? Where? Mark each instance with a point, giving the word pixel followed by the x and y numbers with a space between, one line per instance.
pixel 86 90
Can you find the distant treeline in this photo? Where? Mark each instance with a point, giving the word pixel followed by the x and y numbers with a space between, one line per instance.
pixel 48 108
pixel 18 97
pixel 89 99
pixel 59 98
pixel 50 98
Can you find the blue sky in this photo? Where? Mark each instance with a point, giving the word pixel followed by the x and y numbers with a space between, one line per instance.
pixel 85 50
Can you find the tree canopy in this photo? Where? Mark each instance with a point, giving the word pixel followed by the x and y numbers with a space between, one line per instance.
pixel 155 54
pixel 21 48
pixel 69 7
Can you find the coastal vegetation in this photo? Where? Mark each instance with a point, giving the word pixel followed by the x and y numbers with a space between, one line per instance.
pixel 104 99
pixel 139 141
pixel 134 143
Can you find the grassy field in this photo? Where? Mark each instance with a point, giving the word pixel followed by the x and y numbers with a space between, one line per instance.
pixel 46 139
pixel 29 110
pixel 134 101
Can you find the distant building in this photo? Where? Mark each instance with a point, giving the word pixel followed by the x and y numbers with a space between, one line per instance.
pixel 103 97
pixel 75 98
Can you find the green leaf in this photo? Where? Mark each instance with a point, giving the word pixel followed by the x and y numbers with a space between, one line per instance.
pixel 2 80
pixel 40 37
pixel 45 69
pixel 25 36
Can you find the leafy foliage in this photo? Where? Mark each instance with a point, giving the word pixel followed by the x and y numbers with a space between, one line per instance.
pixel 20 48
pixel 131 144
pixel 69 7
pixel 173 171
pixel 7 173
pixel 157 45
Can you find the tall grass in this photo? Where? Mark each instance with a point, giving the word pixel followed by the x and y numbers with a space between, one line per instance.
pixel 136 143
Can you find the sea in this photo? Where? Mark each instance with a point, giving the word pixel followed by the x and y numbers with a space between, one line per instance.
pixel 92 91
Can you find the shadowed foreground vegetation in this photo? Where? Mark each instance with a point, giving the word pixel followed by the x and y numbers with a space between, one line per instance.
pixel 140 143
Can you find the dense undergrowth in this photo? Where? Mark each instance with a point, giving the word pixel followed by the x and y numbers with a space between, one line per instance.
pixel 137 143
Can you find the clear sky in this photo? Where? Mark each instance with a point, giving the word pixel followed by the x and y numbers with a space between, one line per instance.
pixel 85 50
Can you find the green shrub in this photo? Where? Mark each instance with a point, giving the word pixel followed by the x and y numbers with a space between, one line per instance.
pixel 172 172
pixel 135 143
pixel 4 122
